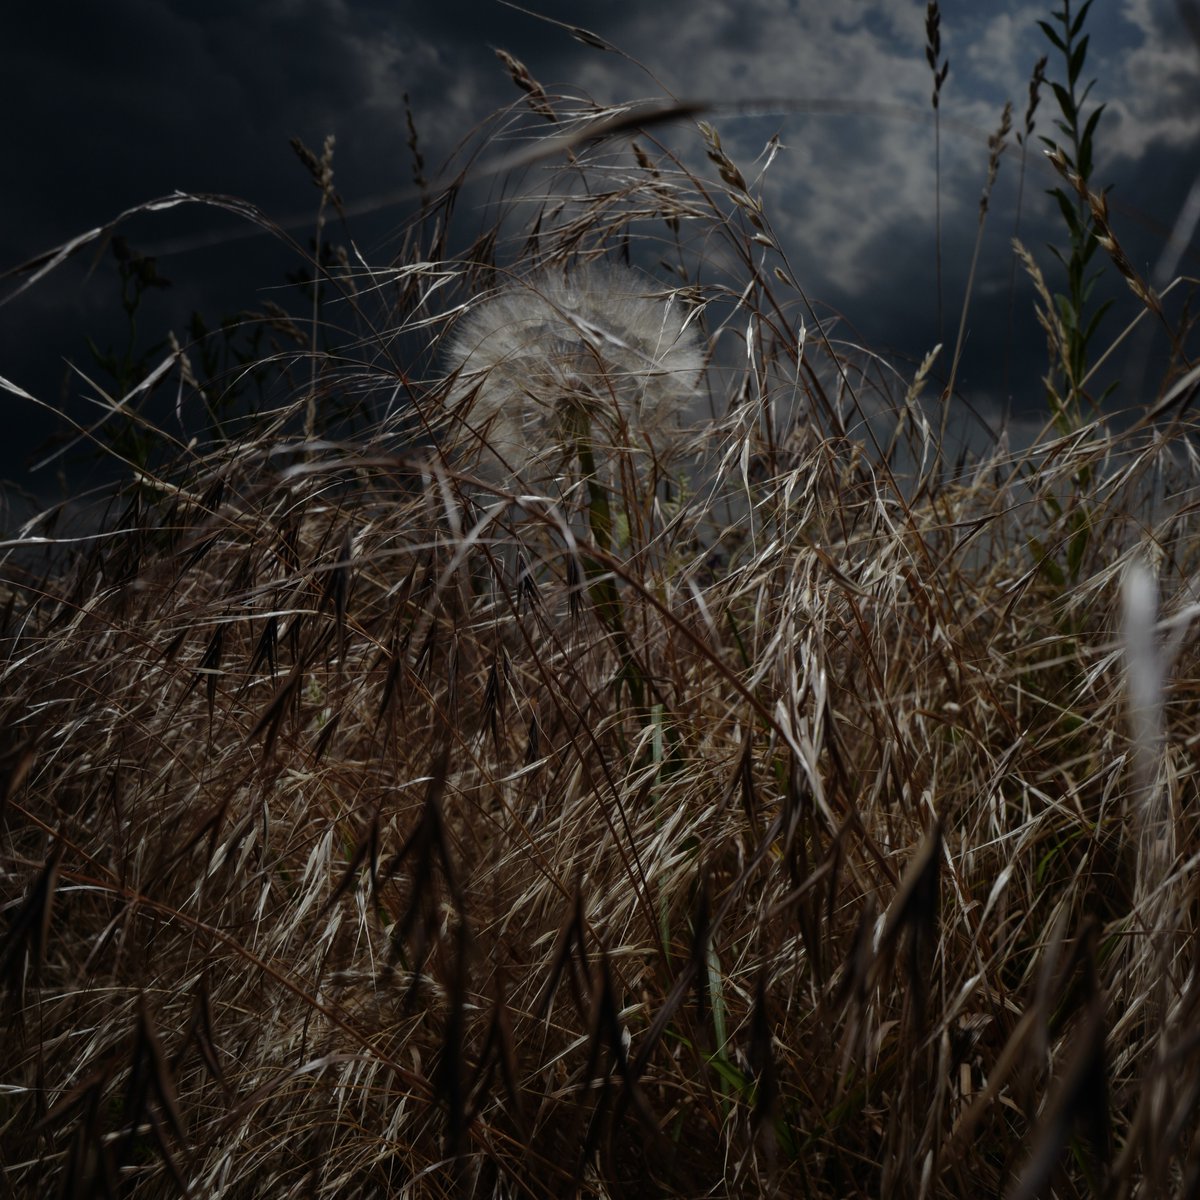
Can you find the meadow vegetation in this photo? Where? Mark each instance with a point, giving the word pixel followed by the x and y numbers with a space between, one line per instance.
pixel 784 803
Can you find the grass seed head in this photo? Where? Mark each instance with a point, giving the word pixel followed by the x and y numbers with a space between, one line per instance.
pixel 588 351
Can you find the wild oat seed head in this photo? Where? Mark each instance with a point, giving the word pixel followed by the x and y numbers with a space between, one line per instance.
pixel 559 356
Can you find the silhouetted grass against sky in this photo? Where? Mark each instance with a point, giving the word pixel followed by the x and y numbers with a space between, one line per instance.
pixel 136 100
pixel 583 622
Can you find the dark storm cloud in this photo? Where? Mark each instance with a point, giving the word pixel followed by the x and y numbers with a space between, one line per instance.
pixel 142 99
pixel 130 100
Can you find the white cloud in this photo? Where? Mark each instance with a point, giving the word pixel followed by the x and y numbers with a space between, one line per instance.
pixel 1003 53
pixel 845 181
pixel 1156 83
pixel 845 177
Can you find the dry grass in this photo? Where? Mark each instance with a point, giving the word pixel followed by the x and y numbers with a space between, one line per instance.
pixel 367 832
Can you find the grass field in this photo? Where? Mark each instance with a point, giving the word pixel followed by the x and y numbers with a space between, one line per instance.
pixel 644 758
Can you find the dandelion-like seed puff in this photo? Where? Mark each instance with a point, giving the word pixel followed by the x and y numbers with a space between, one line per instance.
pixel 563 363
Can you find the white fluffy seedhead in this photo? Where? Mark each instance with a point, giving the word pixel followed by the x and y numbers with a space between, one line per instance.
pixel 561 356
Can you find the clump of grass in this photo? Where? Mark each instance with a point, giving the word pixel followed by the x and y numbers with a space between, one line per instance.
pixel 1079 316
pixel 366 833
pixel 940 68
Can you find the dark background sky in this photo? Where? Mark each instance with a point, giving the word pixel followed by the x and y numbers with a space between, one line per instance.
pixel 114 104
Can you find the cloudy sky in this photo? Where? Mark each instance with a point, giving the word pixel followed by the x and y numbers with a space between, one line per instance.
pixel 133 99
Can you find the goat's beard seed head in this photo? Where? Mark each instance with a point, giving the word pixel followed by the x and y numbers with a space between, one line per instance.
pixel 557 357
